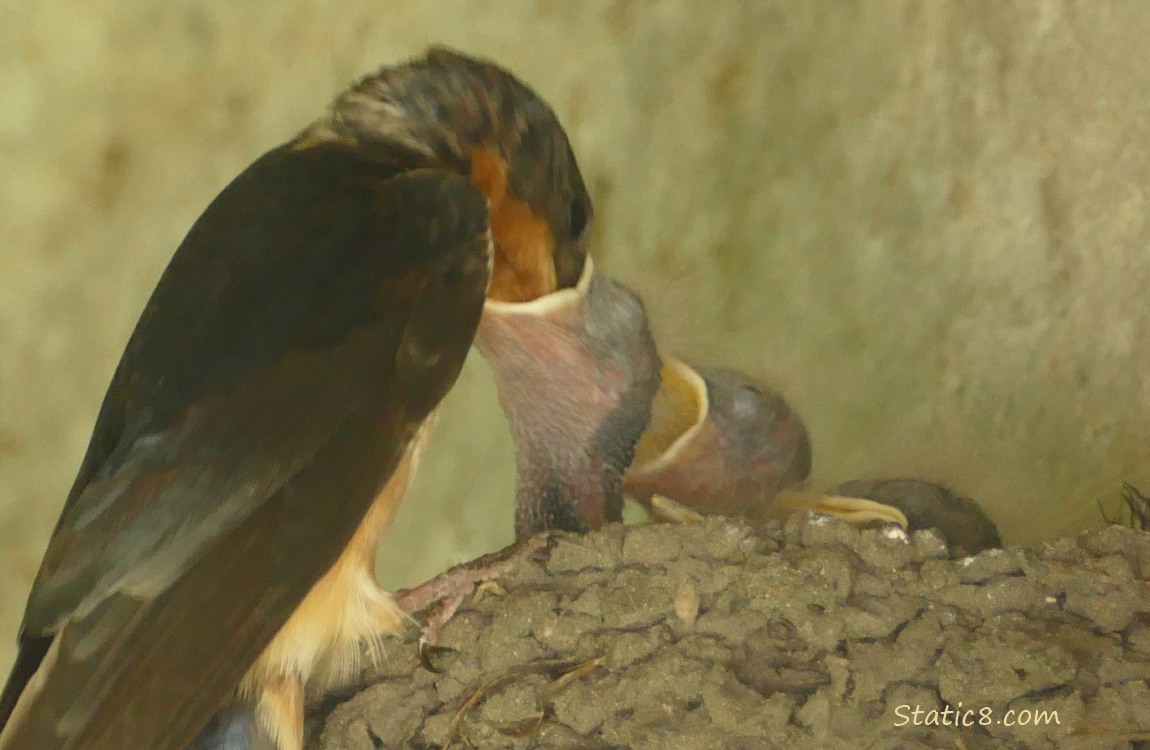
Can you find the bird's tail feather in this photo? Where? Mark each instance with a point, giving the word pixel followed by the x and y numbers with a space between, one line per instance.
pixel 234 728
pixel 28 660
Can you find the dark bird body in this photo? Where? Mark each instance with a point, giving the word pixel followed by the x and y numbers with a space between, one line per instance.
pixel 217 546
pixel 961 521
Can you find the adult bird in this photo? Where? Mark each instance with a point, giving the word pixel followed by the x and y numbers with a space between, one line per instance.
pixel 217 546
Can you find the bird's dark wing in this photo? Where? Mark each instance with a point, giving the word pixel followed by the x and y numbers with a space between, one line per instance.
pixel 310 321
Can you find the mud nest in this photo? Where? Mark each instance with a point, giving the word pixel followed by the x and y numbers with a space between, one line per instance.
pixel 720 635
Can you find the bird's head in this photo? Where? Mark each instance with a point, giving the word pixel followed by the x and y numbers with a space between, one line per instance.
pixel 448 110
pixel 576 372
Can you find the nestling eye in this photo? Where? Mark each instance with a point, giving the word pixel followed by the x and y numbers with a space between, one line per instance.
pixel 578 218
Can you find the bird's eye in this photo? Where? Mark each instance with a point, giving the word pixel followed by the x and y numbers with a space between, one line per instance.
pixel 578 218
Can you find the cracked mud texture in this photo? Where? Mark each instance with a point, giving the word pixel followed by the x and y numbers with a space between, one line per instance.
pixel 720 635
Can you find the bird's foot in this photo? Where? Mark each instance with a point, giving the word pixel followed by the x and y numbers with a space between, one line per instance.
pixel 442 596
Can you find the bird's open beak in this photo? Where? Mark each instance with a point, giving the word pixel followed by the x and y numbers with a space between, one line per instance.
pixel 719 442
pixel 586 395
pixel 576 371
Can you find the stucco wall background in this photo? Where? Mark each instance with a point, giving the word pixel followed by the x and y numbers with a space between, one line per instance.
pixel 925 222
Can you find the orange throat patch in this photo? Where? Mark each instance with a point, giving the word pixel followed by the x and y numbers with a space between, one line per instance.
pixel 524 266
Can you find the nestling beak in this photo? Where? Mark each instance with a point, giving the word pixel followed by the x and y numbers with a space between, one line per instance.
pixel 720 442
pixel 960 520
pixel 576 372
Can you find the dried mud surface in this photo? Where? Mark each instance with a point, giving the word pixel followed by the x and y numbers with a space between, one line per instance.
pixel 720 635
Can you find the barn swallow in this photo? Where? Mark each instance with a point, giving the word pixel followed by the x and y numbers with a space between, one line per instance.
pixel 722 442
pixel 576 371
pixel 718 442
pixel 215 552
pixel 960 521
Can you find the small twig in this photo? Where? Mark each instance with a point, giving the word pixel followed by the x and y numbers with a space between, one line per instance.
pixel 564 667
pixel 551 691
pixel 1126 734
pixel 1133 511
pixel 1138 505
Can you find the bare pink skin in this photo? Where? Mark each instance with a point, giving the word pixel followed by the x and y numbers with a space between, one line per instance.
pixel 744 444
pixel 576 371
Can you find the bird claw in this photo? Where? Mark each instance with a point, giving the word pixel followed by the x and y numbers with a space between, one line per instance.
pixel 487 587
pixel 444 594
pixel 428 652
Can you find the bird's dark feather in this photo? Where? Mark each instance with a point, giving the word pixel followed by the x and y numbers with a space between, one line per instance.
pixel 309 322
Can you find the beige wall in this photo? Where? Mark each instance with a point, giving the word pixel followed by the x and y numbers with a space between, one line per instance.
pixel 924 221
